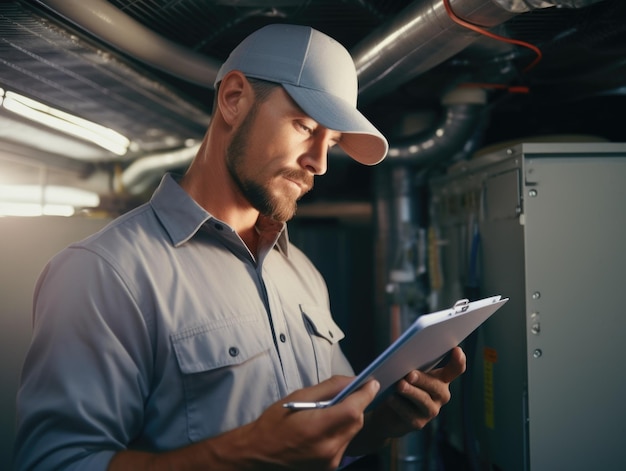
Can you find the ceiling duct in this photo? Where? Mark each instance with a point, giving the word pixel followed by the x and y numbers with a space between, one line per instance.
pixel 463 109
pixel 423 36
pixel 416 40
pixel 114 27
pixel 136 178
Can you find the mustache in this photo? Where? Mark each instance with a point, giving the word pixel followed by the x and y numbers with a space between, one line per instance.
pixel 302 176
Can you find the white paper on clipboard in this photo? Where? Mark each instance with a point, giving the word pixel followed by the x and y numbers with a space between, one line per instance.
pixel 420 347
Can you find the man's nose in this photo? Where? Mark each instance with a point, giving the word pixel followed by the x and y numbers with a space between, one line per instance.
pixel 316 158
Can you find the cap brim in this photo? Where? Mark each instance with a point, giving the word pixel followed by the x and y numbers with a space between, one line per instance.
pixel 360 139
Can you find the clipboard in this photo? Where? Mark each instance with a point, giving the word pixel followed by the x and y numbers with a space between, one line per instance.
pixel 420 347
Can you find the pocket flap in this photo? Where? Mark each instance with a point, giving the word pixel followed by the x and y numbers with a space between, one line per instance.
pixel 216 345
pixel 321 322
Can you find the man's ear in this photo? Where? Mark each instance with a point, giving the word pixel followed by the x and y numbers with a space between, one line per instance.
pixel 235 96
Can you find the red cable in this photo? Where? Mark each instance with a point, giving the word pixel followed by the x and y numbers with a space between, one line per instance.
pixel 478 29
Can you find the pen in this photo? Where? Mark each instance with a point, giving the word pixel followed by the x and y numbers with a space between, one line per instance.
pixel 306 405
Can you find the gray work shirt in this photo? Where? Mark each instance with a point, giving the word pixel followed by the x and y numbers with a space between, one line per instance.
pixel 162 330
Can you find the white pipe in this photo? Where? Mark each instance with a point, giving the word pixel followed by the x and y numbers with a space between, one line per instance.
pixel 133 178
pixel 111 25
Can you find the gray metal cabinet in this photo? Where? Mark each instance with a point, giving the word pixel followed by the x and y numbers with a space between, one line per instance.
pixel 544 224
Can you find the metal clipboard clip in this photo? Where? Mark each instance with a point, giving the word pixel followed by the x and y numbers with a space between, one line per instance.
pixel 461 305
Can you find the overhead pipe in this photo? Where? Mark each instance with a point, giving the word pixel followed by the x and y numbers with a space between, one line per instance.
pixel 133 179
pixel 419 38
pixel 462 109
pixel 416 40
pixel 114 27
pixel 423 36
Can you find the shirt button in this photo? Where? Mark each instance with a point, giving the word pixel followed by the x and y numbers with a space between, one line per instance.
pixel 218 226
pixel 233 351
pixel 331 334
pixel 282 337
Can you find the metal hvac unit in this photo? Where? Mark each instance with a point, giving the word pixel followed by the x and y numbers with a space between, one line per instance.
pixel 544 224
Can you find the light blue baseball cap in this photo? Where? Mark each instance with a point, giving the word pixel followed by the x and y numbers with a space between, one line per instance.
pixel 319 75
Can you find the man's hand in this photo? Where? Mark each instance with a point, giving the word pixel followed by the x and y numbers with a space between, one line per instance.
pixel 314 439
pixel 280 439
pixel 420 396
pixel 417 400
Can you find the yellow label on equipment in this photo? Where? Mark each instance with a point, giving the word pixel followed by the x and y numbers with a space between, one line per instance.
pixel 490 356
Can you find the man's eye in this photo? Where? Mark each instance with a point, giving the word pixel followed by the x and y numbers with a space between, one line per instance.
pixel 305 128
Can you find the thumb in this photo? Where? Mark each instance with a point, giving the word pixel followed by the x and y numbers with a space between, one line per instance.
pixel 362 397
pixel 456 366
pixel 325 390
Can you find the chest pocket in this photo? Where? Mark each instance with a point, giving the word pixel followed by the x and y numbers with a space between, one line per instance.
pixel 227 373
pixel 324 335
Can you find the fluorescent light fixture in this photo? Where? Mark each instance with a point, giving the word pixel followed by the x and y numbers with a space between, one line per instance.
pixel 69 124
pixel 32 209
pixel 37 200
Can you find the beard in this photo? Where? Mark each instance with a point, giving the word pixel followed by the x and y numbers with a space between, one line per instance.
pixel 257 191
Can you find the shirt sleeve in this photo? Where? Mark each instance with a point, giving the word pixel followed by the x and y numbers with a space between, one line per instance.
pixel 86 374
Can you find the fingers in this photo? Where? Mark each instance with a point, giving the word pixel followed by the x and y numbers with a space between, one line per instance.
pixel 310 440
pixel 314 439
pixel 421 399
pixel 327 389
pixel 455 366
pixel 428 392
pixel 436 383
pixel 322 391
pixel 362 397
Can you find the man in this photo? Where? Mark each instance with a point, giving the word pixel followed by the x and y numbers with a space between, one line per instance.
pixel 171 339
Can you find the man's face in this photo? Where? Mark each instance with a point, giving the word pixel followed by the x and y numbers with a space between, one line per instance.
pixel 275 153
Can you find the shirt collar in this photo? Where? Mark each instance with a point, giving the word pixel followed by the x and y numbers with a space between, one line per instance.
pixel 269 228
pixel 182 217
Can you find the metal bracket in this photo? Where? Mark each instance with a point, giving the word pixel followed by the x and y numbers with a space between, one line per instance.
pixel 461 306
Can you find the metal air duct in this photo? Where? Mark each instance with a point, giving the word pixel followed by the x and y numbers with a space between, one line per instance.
pixel 462 112
pixel 423 36
pixel 116 28
pixel 418 39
